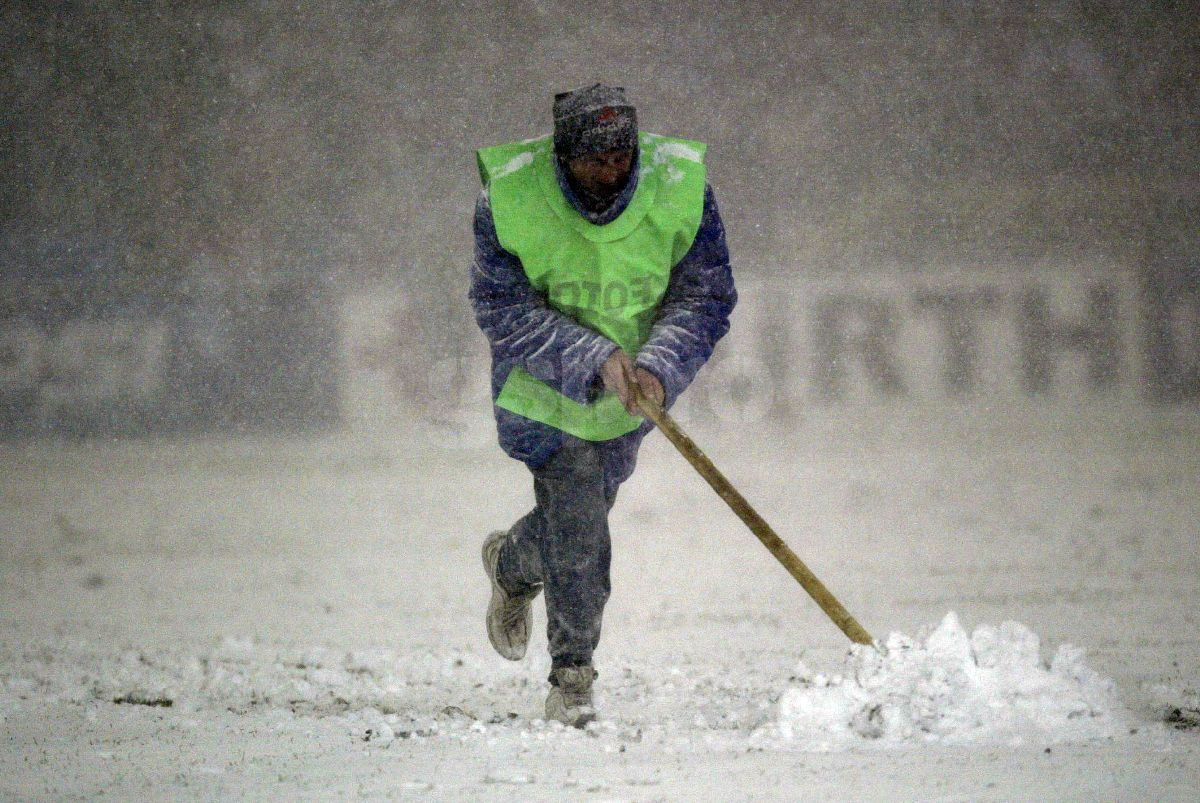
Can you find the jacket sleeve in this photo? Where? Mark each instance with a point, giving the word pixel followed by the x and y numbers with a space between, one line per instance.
pixel 521 327
pixel 694 313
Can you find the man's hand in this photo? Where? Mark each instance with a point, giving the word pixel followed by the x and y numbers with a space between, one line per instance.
pixel 621 377
pixel 650 387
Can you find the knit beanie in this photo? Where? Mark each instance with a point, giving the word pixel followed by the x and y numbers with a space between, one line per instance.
pixel 594 119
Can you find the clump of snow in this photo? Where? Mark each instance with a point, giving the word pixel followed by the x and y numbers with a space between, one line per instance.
pixel 372 725
pixel 1176 705
pixel 951 688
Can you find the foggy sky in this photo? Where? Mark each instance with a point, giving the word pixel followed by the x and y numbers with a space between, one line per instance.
pixel 270 137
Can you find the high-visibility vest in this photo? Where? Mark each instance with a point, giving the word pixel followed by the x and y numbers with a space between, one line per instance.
pixel 610 278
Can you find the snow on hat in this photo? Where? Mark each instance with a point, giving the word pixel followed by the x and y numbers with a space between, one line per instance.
pixel 594 119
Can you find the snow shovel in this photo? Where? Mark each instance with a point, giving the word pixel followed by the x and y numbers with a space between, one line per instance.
pixel 782 552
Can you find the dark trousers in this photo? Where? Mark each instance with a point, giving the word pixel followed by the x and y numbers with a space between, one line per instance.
pixel 563 543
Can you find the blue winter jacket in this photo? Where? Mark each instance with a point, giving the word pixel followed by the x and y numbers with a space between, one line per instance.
pixel 524 330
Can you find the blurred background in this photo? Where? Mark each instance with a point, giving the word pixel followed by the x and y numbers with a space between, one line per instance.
pixel 248 216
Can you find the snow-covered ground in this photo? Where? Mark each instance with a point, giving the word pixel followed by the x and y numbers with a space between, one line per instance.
pixel 302 617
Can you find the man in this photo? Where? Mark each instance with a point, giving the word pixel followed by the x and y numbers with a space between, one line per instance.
pixel 600 272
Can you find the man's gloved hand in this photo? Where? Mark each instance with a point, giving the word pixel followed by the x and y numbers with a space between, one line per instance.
pixel 620 376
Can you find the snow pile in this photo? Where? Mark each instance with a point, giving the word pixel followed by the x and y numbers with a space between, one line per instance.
pixel 951 688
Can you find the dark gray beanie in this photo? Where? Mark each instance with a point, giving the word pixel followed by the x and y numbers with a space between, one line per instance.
pixel 594 119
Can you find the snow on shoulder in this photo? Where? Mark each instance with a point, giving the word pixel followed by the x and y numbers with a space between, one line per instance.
pixel 666 150
pixel 950 688
pixel 514 164
pixel 677 150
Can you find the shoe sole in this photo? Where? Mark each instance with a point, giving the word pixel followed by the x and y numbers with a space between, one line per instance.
pixel 581 721
pixel 499 597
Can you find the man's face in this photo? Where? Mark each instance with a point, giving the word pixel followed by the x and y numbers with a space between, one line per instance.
pixel 602 174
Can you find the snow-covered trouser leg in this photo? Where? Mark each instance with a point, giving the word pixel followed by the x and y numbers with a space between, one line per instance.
pixel 563 543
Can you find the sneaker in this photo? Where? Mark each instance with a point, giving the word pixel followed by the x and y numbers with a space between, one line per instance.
pixel 509 616
pixel 570 700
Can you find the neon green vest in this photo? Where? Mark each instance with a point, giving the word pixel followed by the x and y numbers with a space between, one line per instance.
pixel 610 278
